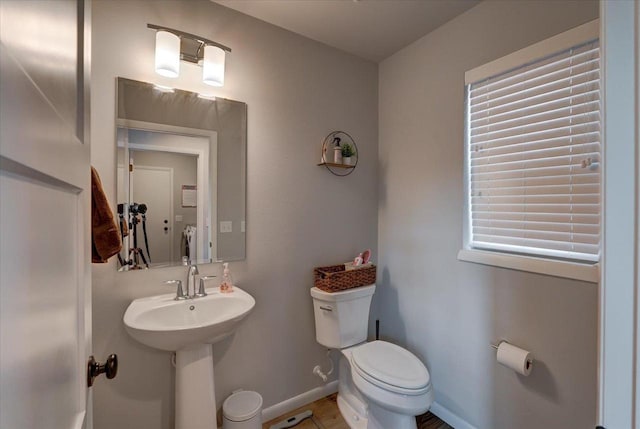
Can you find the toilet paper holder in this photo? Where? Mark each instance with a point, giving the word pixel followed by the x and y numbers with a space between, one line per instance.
pixel 495 346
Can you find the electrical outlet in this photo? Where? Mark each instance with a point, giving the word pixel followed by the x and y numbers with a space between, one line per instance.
pixel 226 226
pixel 178 218
pixel 243 226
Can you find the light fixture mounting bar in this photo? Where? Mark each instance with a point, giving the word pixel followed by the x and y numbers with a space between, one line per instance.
pixel 193 37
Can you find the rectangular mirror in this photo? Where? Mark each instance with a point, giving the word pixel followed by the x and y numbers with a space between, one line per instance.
pixel 181 187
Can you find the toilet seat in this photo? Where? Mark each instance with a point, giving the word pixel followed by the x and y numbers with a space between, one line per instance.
pixel 390 367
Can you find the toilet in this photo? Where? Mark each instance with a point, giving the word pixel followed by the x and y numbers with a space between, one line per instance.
pixel 380 385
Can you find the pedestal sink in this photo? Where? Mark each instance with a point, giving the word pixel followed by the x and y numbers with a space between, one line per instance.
pixel 189 327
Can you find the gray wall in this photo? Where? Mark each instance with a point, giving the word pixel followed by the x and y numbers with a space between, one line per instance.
pixel 298 215
pixel 446 311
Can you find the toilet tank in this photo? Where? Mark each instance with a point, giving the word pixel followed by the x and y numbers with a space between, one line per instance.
pixel 342 318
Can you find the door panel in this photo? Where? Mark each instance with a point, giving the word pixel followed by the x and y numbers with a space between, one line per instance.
pixel 39 335
pixel 42 35
pixel 32 130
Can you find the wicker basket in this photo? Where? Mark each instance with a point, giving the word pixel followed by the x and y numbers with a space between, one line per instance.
pixel 335 278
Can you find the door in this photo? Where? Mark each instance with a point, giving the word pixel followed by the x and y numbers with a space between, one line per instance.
pixel 153 186
pixel 45 271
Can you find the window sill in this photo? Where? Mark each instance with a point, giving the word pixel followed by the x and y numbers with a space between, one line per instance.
pixel 566 269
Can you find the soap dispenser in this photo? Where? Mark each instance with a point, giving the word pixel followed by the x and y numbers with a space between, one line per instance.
pixel 337 151
pixel 227 282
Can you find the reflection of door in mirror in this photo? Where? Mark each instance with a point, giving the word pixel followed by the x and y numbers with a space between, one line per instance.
pixel 152 185
pixel 165 227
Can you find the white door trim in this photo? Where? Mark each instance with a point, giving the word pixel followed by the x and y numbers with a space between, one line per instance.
pixel 618 381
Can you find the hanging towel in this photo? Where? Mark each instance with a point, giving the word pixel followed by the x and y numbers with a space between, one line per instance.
pixel 105 237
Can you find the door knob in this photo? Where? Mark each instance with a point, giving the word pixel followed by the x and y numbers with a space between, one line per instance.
pixel 94 369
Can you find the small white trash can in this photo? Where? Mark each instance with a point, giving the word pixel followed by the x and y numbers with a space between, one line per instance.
pixel 242 410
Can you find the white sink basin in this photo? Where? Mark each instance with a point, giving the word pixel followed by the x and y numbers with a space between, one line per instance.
pixel 166 324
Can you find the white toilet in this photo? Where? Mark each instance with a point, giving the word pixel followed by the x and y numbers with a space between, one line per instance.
pixel 381 385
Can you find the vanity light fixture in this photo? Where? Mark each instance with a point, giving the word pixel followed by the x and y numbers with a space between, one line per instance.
pixel 213 66
pixel 175 45
pixel 167 54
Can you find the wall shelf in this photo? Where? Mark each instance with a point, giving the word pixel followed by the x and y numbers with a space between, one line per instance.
pixel 331 164
pixel 336 139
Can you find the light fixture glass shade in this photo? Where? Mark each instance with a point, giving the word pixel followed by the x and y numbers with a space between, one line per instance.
pixel 167 54
pixel 213 66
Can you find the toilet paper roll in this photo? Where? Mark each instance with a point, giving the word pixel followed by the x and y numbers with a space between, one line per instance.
pixel 515 358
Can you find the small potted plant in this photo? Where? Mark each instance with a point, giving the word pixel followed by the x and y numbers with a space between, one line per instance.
pixel 347 153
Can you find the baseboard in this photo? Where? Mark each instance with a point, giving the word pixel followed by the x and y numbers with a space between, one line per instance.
pixel 302 399
pixel 449 417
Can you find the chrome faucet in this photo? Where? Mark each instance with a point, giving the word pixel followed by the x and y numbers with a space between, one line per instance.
pixel 192 272
pixel 201 290
pixel 179 291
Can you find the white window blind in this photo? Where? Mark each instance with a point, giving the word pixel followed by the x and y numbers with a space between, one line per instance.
pixel 533 137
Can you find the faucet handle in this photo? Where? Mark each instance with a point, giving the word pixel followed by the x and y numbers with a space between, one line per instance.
pixel 179 291
pixel 201 291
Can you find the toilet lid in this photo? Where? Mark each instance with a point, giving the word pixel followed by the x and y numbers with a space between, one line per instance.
pixel 391 364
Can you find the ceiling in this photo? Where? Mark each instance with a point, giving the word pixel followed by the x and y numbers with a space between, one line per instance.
pixel 371 29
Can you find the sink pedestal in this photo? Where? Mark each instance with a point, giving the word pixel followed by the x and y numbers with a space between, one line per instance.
pixel 195 390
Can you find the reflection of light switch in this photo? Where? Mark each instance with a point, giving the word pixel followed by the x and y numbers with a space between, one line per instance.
pixel 243 226
pixel 226 226
pixel 178 218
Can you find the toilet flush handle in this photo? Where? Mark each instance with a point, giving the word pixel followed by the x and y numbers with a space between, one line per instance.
pixel 326 308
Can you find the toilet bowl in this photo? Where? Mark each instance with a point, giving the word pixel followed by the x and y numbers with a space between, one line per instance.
pixel 381 385
pixel 392 382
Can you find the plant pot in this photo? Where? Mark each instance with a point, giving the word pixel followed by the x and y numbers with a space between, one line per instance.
pixel 346 160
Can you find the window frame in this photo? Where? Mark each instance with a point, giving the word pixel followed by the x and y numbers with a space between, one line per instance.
pixel 585 271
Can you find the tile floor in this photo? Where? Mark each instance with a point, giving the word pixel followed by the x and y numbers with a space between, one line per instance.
pixel 327 416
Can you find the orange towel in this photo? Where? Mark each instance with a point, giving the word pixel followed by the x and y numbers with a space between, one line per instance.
pixel 105 236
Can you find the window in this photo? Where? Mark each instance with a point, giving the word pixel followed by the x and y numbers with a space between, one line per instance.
pixel 533 151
